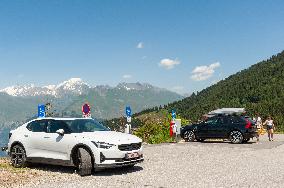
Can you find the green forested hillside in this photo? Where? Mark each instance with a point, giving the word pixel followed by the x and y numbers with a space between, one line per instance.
pixel 259 89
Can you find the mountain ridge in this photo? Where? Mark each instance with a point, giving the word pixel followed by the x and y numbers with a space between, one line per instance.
pixel 67 98
pixel 74 86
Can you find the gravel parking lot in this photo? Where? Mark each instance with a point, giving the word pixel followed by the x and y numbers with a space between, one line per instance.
pixel 208 164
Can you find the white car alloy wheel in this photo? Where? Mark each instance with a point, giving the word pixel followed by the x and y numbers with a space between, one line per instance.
pixel 236 137
pixel 189 136
pixel 18 156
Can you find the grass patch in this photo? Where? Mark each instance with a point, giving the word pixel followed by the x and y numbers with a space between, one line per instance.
pixel 14 177
pixel 6 166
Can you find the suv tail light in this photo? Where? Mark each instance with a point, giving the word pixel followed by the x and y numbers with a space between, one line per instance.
pixel 248 124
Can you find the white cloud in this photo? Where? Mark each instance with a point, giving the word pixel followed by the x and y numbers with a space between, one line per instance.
pixel 201 73
pixel 140 45
pixel 168 63
pixel 127 76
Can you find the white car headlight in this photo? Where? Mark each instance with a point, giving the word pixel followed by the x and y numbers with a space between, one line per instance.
pixel 103 145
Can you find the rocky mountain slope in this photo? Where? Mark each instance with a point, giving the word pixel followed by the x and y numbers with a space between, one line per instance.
pixel 18 103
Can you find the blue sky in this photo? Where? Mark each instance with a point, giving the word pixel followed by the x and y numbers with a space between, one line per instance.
pixel 181 45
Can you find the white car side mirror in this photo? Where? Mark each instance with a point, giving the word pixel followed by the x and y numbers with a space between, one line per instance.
pixel 60 132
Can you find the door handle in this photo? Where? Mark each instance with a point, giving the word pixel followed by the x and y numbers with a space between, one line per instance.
pixel 46 137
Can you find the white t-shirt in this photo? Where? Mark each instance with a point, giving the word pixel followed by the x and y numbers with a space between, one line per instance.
pixel 270 122
pixel 258 122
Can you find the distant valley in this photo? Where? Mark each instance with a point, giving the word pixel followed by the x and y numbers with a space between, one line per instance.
pixel 19 103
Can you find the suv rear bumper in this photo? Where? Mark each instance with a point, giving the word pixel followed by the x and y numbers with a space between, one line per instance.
pixel 248 135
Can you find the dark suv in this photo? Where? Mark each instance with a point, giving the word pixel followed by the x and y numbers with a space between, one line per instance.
pixel 237 129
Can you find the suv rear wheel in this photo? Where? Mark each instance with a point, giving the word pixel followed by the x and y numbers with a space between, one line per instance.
pixel 189 136
pixel 236 137
pixel 18 156
pixel 85 165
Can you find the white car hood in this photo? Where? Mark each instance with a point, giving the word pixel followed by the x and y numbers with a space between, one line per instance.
pixel 111 137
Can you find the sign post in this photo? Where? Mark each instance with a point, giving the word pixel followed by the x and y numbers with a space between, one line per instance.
pixel 128 120
pixel 174 114
pixel 41 111
pixel 86 110
pixel 128 111
pixel 178 126
pixel 172 124
pixel 48 112
pixel 175 125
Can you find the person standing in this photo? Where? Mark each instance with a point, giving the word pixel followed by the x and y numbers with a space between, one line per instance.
pixel 258 123
pixel 270 127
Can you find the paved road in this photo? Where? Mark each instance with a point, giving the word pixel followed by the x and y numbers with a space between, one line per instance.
pixel 208 164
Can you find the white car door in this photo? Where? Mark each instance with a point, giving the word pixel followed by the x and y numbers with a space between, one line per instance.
pixel 58 146
pixel 35 139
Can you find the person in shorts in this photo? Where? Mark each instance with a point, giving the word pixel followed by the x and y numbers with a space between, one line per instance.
pixel 270 127
pixel 258 123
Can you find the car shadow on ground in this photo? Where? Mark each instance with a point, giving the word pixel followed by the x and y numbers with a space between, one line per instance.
pixel 117 171
pixel 72 170
pixel 226 142
pixel 52 168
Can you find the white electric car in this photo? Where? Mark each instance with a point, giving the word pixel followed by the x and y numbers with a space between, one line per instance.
pixel 80 142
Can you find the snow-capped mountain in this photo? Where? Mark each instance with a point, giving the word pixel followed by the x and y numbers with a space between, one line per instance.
pixel 67 98
pixel 73 86
pixel 134 86
pixel 27 90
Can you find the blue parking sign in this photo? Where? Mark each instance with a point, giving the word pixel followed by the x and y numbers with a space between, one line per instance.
pixel 128 111
pixel 41 111
pixel 174 115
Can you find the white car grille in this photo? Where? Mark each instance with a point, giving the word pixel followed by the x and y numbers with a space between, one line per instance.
pixel 129 147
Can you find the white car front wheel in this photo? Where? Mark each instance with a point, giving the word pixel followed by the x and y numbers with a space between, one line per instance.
pixel 85 165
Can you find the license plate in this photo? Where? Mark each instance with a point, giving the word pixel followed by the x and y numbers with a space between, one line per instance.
pixel 132 155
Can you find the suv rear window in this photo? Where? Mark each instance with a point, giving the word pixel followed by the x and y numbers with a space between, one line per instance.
pixel 237 119
pixel 248 118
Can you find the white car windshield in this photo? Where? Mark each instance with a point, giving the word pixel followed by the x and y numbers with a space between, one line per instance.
pixel 84 125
